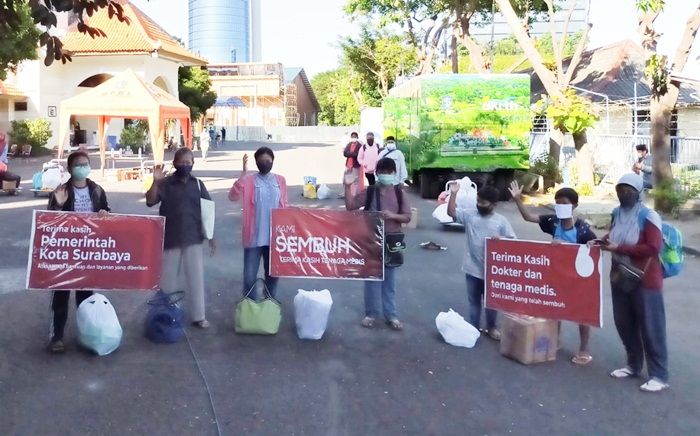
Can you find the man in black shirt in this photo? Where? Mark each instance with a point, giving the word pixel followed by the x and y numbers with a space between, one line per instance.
pixel 179 196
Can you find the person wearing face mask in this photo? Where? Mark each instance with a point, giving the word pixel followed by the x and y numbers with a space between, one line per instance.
pixel 635 241
pixel 368 157
pixel 353 169
pixel 643 165
pixel 179 196
pixel 397 156
pixel 564 228
pixel 479 225
pixel 261 192
pixel 390 200
pixel 78 194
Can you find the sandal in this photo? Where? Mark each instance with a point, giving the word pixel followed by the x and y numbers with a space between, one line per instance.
pixel 368 322
pixel 623 373
pixel 494 334
pixel 394 324
pixel 654 385
pixel 56 347
pixel 203 324
pixel 582 359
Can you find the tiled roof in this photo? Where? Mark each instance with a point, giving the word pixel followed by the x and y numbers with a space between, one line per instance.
pixel 613 71
pixel 7 90
pixel 140 35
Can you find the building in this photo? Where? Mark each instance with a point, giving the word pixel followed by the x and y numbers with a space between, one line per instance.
pixel 262 95
pixel 36 91
pixel 225 31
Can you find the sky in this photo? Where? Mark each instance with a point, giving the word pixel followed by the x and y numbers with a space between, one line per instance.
pixel 305 33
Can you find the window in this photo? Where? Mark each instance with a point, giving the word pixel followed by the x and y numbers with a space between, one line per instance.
pixel 21 106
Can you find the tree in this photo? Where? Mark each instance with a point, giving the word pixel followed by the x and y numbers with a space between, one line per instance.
pixel 425 21
pixel 379 58
pixel 20 44
pixel 44 12
pixel 556 80
pixel 664 90
pixel 194 88
pixel 340 95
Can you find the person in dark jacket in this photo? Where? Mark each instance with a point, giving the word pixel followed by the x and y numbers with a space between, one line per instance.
pixel 353 169
pixel 79 194
pixel 564 228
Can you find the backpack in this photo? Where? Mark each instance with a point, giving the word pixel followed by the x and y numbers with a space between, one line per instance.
pixel 372 192
pixel 671 256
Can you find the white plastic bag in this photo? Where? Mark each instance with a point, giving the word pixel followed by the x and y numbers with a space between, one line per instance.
pixel 311 311
pixel 98 326
pixel 466 196
pixel 455 330
pixel 323 192
pixel 440 214
pixel 52 178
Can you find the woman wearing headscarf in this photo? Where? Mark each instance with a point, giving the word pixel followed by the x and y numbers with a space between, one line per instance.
pixel 635 241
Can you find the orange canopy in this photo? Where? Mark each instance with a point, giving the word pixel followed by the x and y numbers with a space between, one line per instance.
pixel 126 96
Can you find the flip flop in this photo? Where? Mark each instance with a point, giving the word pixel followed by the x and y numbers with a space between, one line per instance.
pixel 582 360
pixel 432 246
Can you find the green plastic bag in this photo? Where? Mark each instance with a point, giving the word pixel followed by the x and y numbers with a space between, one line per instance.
pixel 258 317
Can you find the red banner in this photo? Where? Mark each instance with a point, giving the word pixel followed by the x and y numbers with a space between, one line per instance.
pixel 552 281
pixel 89 251
pixel 328 244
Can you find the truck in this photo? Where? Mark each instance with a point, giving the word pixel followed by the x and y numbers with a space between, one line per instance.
pixel 454 125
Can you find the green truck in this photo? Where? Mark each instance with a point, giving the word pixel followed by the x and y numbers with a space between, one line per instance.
pixel 451 125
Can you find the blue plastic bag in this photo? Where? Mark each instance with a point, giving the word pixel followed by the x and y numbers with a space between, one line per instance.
pixel 165 318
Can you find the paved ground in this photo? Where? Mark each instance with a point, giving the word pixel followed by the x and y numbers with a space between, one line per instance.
pixel 353 382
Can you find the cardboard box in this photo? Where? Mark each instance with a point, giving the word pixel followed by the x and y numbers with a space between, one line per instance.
pixel 414 219
pixel 528 339
pixel 8 185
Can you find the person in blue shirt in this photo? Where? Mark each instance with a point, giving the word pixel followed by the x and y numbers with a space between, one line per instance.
pixel 564 228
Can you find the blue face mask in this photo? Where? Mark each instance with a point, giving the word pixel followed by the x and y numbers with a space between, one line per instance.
pixel 386 179
pixel 80 172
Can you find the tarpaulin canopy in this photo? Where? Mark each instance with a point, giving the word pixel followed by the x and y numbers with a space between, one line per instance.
pixel 126 96
pixel 229 102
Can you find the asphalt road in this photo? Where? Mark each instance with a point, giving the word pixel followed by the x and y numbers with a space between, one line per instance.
pixel 352 382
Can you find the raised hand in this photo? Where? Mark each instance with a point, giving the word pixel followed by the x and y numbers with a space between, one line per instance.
pixel 61 195
pixel 158 173
pixel 245 163
pixel 515 190
pixel 454 187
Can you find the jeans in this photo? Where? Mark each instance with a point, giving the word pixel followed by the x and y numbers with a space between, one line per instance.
pixel 475 294
pixel 370 178
pixel 251 265
pixel 641 323
pixel 387 290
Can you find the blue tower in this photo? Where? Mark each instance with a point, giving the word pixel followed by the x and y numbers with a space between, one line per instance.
pixel 220 30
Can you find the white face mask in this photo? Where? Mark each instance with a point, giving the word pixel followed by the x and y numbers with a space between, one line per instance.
pixel 564 211
pixel 391 145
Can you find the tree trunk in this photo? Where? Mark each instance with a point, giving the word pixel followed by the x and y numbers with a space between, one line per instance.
pixel 556 140
pixel 454 55
pixel 661 150
pixel 584 160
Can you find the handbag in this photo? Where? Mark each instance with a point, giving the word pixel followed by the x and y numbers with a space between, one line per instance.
pixel 626 277
pixel 165 318
pixel 258 317
pixel 208 210
pixel 394 247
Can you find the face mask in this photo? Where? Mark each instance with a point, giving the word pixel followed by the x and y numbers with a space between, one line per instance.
pixel 386 179
pixel 484 210
pixel 391 145
pixel 628 199
pixel 370 141
pixel 564 211
pixel 264 167
pixel 80 172
pixel 183 170
pixel 353 139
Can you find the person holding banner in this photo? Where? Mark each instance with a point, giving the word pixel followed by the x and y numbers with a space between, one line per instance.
pixel 261 192
pixel 78 194
pixel 563 228
pixel 179 196
pixel 390 200
pixel 636 279
pixel 479 224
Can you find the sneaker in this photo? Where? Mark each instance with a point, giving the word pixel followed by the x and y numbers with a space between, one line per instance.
pixel 654 385
pixel 623 373
pixel 394 324
pixel 368 322
pixel 494 334
pixel 56 347
pixel 203 324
